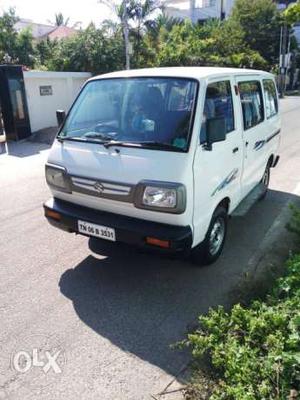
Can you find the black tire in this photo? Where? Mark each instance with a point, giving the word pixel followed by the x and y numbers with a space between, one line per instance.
pixel 265 180
pixel 206 253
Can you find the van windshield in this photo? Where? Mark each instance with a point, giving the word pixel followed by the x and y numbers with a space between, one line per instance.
pixel 148 112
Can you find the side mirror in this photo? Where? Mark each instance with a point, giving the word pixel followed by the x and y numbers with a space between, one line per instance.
pixel 60 117
pixel 215 131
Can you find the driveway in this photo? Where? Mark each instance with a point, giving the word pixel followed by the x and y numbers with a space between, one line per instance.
pixel 110 319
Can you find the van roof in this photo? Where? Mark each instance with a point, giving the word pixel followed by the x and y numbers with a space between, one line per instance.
pixel 182 72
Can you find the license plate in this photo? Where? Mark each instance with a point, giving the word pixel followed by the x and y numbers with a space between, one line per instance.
pixel 99 231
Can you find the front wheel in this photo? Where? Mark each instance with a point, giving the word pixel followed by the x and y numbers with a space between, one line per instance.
pixel 211 248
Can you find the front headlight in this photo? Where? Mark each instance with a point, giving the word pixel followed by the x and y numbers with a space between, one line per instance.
pixel 56 178
pixel 161 196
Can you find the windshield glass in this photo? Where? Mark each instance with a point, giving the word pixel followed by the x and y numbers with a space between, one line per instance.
pixel 146 111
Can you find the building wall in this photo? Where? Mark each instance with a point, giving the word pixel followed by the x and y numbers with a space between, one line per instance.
pixel 206 10
pixel 197 9
pixel 228 4
pixel 296 30
pixel 37 30
pixel 64 88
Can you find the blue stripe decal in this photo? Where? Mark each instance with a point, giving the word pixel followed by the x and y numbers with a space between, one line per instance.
pixel 274 135
pixel 229 178
pixel 260 144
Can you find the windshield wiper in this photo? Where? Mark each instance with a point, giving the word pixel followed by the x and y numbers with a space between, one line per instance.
pixel 78 139
pixel 62 138
pixel 146 144
pixel 121 143
pixel 98 135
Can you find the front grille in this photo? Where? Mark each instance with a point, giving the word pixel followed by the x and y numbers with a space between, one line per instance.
pixel 102 188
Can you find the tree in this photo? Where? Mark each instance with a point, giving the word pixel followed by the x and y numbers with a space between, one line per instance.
pixel 134 17
pixel 260 21
pixel 16 47
pixel 246 39
pixel 8 35
pixel 45 50
pixel 292 13
pixel 123 12
pixel 142 12
pixel 158 31
pixel 216 42
pixel 112 27
pixel 162 21
pixel 24 48
pixel 60 20
pixel 90 50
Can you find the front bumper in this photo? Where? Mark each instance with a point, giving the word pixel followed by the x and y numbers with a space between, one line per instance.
pixel 128 230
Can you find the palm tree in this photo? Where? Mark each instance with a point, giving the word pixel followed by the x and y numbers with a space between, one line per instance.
pixel 110 26
pixel 162 21
pixel 122 11
pixel 60 20
pixel 142 11
pixel 137 11
pixel 142 16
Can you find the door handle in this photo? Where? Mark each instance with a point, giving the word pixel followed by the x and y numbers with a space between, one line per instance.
pixel 235 150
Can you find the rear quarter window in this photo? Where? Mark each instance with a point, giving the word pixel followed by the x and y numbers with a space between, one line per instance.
pixel 271 99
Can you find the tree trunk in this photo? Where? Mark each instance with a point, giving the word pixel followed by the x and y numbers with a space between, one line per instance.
pixel 126 34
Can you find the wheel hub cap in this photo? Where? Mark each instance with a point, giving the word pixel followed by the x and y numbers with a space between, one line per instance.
pixel 216 237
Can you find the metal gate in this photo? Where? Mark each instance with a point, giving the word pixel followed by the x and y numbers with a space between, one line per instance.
pixel 13 105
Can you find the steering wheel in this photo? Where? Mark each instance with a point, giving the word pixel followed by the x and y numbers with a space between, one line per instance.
pixel 107 128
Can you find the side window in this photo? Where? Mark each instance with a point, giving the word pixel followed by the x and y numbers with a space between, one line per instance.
pixel 252 103
pixel 271 98
pixel 218 104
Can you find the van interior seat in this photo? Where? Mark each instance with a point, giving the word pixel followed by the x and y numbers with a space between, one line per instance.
pixel 173 124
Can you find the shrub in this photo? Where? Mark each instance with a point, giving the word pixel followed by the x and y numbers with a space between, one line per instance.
pixel 255 351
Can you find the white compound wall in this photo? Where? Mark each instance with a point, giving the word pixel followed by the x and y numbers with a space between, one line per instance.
pixel 47 92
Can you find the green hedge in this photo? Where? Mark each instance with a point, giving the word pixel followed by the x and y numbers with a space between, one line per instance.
pixel 254 351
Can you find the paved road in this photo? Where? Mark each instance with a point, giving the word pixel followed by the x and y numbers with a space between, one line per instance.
pixel 112 318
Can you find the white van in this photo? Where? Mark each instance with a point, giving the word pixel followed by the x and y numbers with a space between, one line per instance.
pixel 160 158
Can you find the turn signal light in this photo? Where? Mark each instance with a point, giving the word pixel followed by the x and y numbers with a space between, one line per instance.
pixel 157 242
pixel 52 214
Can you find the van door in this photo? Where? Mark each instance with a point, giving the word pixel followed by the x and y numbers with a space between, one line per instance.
pixel 254 135
pixel 217 171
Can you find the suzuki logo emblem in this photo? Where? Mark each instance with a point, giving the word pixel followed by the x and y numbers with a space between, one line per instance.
pixel 99 187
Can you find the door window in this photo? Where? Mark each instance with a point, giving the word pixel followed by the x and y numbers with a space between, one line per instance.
pixel 270 97
pixel 218 104
pixel 252 103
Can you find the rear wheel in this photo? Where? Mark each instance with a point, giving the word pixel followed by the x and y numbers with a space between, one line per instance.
pixel 265 182
pixel 211 248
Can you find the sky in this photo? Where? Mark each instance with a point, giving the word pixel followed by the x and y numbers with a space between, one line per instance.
pixel 44 10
